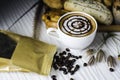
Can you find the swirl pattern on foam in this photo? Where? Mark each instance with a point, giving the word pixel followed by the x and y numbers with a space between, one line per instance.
pixel 76 25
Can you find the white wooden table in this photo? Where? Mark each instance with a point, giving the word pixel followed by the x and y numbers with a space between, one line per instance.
pixel 99 71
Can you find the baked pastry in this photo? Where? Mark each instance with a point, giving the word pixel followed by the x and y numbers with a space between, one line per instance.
pixel 51 17
pixel 57 4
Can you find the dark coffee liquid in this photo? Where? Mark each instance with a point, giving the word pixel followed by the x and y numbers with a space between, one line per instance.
pixel 77 25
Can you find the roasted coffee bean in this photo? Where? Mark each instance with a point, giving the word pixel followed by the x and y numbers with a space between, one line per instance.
pixel 73 60
pixel 53 77
pixel 65 72
pixel 80 56
pixel 69 54
pixel 62 69
pixel 64 57
pixel 55 66
pixel 76 68
pixel 71 79
pixel 73 56
pixel 70 68
pixel 67 57
pixel 70 63
pixel 56 58
pixel 64 52
pixel 60 64
pixel 76 57
pixel 61 54
pixel 85 64
pixel 67 49
pixel 111 69
pixel 72 72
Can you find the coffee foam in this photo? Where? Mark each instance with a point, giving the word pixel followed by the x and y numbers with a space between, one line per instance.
pixel 77 25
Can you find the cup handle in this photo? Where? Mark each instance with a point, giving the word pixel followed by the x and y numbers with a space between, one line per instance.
pixel 53 32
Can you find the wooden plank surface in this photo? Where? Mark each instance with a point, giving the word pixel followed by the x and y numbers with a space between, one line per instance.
pixel 100 71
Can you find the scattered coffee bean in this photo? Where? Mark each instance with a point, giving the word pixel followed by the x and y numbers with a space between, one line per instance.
pixel 55 66
pixel 70 68
pixel 80 56
pixel 76 57
pixel 73 56
pixel 72 72
pixel 65 72
pixel 85 64
pixel 67 49
pixel 54 77
pixel 71 79
pixel 62 69
pixel 69 54
pixel 76 68
pixel 63 53
pixel 111 69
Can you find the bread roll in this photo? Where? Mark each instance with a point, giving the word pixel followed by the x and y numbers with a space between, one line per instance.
pixel 99 11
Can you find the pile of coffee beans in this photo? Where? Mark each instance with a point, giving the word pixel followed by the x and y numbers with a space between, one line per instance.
pixel 65 61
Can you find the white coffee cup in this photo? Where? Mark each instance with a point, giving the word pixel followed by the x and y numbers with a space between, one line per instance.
pixel 76 30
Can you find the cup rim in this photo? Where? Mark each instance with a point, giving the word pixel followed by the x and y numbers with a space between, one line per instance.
pixel 91 17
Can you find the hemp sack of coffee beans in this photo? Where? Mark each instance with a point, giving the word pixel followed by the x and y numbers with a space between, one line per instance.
pixel 65 61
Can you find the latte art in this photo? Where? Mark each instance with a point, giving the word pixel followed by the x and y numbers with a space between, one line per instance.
pixel 74 30
pixel 76 25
